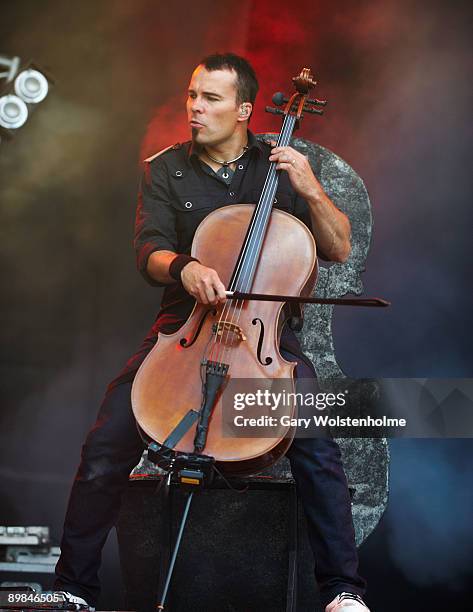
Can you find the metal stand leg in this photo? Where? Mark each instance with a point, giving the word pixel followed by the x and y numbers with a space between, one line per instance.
pixel 291 598
pixel 161 604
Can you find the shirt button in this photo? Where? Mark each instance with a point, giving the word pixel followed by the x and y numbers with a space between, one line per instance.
pixel 188 204
pixel 232 193
pixel 240 166
pixel 178 173
pixel 275 200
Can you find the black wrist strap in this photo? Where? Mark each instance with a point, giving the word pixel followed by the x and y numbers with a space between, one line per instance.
pixel 177 265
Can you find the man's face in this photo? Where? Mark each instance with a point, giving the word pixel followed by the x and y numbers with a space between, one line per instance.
pixel 212 109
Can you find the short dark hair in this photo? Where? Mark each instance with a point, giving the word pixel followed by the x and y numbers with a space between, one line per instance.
pixel 247 83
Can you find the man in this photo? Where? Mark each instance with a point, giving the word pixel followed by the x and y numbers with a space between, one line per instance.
pixel 223 164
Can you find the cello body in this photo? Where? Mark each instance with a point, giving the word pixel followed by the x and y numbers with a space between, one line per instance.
pixel 169 383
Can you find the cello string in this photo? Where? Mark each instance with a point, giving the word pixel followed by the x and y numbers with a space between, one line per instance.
pixel 266 203
pixel 248 238
pixel 228 304
pixel 262 222
pixel 252 240
pixel 253 260
pixel 255 235
pixel 223 339
pixel 269 179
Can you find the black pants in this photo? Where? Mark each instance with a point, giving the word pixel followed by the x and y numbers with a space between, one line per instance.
pixel 113 448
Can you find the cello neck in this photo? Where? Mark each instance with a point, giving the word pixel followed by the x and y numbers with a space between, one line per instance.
pixel 243 275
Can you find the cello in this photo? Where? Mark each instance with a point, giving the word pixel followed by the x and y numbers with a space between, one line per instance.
pixel 256 251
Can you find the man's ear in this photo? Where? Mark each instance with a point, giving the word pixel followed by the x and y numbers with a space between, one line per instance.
pixel 245 111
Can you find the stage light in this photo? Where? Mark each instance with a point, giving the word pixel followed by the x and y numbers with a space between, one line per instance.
pixel 13 112
pixel 31 86
pixel 25 87
pixel 12 64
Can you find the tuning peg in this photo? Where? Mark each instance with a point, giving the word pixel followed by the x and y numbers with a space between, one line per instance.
pixel 315 111
pixel 317 102
pixel 279 98
pixel 275 111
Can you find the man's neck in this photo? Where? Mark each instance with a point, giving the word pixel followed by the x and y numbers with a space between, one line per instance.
pixel 230 149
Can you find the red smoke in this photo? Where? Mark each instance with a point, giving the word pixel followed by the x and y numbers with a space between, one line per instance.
pixel 279 40
pixel 276 39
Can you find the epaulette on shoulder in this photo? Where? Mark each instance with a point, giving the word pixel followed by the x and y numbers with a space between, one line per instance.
pixel 173 147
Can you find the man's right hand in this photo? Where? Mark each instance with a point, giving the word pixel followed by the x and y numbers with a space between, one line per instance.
pixel 203 283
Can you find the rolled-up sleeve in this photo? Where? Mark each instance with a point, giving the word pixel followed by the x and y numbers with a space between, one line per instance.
pixel 155 224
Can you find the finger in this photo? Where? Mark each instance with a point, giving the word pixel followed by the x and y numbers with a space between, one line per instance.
pixel 210 295
pixel 288 150
pixel 218 288
pixel 201 297
pixel 197 296
pixel 220 291
pixel 199 292
pixel 284 157
pixel 287 159
pixel 285 166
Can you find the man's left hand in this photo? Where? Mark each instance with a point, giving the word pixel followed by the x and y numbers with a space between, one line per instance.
pixel 300 173
pixel 330 226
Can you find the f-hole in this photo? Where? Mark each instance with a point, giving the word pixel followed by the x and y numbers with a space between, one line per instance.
pixel 184 342
pixel 268 360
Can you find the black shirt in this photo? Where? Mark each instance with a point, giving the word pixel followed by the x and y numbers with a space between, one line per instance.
pixel 177 191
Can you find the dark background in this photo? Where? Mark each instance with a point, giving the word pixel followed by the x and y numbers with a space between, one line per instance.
pixel 397 75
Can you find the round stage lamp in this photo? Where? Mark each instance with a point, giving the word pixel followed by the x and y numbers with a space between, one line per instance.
pixel 13 112
pixel 31 86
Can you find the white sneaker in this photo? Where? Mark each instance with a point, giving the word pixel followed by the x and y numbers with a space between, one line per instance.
pixel 347 601
pixel 75 599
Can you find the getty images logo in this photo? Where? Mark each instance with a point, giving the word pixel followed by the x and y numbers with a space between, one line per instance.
pixel 284 399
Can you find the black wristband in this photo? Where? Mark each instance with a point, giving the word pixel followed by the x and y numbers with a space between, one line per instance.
pixel 177 264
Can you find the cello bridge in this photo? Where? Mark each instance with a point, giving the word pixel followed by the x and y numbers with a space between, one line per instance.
pixel 233 332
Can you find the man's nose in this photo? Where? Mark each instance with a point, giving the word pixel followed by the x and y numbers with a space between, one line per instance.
pixel 196 105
